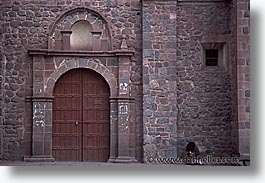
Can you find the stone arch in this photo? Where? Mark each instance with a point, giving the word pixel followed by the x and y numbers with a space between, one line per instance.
pixel 93 64
pixel 61 28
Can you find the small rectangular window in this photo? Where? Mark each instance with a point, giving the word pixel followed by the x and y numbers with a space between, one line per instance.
pixel 211 57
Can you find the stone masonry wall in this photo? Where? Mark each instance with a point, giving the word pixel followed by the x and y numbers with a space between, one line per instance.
pixel 173 35
pixel 204 94
pixel 178 99
pixel 26 25
pixel 1 79
pixel 159 78
pixel 243 76
pixel 233 60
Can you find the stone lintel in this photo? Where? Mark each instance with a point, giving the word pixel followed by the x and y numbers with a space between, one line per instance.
pixel 37 52
pixel 124 52
pixel 73 53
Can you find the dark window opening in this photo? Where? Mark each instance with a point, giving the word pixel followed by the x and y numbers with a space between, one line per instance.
pixel 211 57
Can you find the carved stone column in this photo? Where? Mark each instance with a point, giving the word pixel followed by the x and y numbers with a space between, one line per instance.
pixel 41 130
pixel 126 119
pixel 42 115
pixel 113 130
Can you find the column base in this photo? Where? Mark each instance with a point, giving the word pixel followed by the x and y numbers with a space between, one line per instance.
pixel 125 159
pixel 111 159
pixel 39 159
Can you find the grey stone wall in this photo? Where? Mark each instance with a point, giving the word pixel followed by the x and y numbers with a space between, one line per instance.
pixel 201 109
pixel 178 99
pixel 1 80
pixel 243 76
pixel 233 25
pixel 159 78
pixel 205 98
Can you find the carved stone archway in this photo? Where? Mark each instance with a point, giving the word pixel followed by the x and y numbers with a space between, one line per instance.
pixel 73 63
pixel 60 31
pixel 47 67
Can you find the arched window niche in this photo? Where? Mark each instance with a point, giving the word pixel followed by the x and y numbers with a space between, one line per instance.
pixel 80 29
pixel 81 37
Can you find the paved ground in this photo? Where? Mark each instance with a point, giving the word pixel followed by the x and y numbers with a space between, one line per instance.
pixel 93 164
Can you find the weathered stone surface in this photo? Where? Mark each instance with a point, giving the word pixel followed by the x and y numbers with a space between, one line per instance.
pixel 26 25
pixel 177 99
pixel 159 44
pixel 205 98
pixel 241 31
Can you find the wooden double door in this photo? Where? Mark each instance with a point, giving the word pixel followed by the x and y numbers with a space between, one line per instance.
pixel 81 124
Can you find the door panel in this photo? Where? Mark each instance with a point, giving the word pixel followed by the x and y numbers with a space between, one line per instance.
pixel 81 117
pixel 95 103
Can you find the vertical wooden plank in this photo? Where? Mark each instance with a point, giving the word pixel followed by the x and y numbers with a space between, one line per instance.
pixel 83 96
pixel 65 109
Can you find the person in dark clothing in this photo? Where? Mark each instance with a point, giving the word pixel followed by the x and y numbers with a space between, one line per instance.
pixel 192 150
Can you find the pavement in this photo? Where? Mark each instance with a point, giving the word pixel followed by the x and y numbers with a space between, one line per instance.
pixel 99 164
pixel 80 164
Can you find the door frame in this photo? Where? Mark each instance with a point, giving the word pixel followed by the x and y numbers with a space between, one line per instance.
pixel 80 82
pixel 122 102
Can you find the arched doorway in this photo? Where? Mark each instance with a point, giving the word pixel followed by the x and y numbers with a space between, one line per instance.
pixel 81 112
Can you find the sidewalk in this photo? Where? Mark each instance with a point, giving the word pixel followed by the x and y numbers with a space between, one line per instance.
pixel 102 164
pixel 82 164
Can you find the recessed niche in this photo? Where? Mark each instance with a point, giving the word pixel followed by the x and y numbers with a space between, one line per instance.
pixel 214 55
pixel 81 37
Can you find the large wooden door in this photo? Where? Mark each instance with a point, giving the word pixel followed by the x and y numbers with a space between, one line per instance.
pixel 81 117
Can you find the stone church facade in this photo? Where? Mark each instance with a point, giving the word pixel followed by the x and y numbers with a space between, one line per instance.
pixel 123 80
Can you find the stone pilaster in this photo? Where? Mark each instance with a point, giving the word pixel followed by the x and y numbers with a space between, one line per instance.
pixel 126 116
pixel 243 77
pixel 1 141
pixel 113 130
pixel 41 130
pixel 42 115
pixel 159 78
